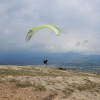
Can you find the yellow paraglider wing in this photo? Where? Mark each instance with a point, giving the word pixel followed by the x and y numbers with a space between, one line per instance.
pixel 35 29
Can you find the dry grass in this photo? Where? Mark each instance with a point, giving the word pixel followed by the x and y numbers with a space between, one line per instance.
pixel 67 92
pixel 35 83
pixel 88 86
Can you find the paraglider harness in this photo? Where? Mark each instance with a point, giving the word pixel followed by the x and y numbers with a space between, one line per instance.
pixel 45 61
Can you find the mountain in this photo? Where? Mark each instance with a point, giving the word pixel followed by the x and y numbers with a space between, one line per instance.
pixel 36 58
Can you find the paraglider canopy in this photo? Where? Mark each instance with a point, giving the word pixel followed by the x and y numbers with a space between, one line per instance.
pixel 35 29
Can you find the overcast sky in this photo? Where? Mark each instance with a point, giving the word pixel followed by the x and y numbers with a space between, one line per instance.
pixel 78 21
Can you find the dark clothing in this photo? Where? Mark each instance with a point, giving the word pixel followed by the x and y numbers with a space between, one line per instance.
pixel 45 61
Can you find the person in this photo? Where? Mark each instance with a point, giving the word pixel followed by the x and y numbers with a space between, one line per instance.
pixel 45 61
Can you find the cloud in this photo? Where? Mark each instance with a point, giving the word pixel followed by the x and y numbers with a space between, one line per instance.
pixel 82 43
pixel 86 41
pixel 7 31
pixel 78 43
pixel 77 20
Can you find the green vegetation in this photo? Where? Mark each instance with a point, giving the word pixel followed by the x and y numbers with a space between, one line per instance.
pixel 1 81
pixel 14 81
pixel 67 92
pixel 23 72
pixel 23 84
pixel 39 87
pixel 20 84
pixel 31 72
pixel 90 86
pixel 50 96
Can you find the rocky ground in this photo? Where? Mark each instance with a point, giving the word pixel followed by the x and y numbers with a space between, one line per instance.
pixel 39 83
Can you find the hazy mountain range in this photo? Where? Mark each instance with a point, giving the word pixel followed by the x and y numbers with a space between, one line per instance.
pixel 62 59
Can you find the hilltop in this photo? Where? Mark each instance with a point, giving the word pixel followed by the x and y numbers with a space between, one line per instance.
pixel 42 83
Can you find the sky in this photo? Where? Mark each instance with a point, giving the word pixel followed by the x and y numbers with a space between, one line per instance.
pixel 78 21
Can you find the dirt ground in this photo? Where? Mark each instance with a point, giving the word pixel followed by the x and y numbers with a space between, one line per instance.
pixel 39 83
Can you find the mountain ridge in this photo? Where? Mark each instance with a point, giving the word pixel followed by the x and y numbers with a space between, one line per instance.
pixel 36 58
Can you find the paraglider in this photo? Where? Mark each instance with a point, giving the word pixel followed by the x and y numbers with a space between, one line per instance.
pixel 37 28
pixel 45 61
